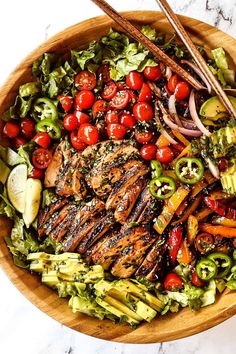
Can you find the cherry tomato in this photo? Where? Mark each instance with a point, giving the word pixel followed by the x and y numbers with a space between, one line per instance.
pixel 84 99
pixel 120 100
pixel 76 142
pixel 222 164
pixel 153 73
pixel 85 80
pixel 28 127
pixel 81 117
pixel 133 98
pixel 41 158
pixel 145 93
pixel 120 86
pixel 66 102
pixel 99 108
pixel 116 131
pixel 18 141
pixel 70 122
pixel 143 137
pixel 148 152
pixel 104 73
pixel 173 282
pixel 204 242
pixel 197 281
pixel 134 80
pixel 88 134
pixel 11 129
pixel 109 90
pixel 172 83
pixel 165 154
pixel 112 117
pixel 127 120
pixel 143 111
pixel 182 90
pixel 179 147
pixel 36 173
pixel 42 139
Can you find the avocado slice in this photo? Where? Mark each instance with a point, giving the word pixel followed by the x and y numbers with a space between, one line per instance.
pixel 228 179
pixel 50 278
pixel 38 265
pixel 213 107
pixel 123 308
pixel 222 140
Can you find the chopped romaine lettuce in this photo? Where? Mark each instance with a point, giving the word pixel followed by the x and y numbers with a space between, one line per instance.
pixel 209 294
pixel 49 197
pixel 29 89
pixel 6 207
pixel 220 58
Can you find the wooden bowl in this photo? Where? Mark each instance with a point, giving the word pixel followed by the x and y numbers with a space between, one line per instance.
pixel 163 328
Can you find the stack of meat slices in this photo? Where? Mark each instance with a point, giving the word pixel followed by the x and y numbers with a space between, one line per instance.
pixel 111 223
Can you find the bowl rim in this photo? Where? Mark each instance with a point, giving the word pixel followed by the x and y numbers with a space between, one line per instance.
pixel 6 262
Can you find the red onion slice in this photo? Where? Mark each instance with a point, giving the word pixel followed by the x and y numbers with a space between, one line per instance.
pixel 154 88
pixel 163 131
pixel 198 72
pixel 188 124
pixel 172 125
pixel 194 115
pixel 172 110
pixel 213 168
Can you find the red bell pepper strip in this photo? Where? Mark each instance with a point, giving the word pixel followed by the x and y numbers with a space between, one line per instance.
pixel 220 208
pixel 175 239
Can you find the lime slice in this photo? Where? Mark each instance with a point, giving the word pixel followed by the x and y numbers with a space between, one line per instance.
pixel 32 200
pixel 16 186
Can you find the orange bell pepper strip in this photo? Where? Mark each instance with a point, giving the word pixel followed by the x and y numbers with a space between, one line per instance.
pixel 162 142
pixel 221 220
pixel 190 210
pixel 203 213
pixel 192 228
pixel 184 152
pixel 181 137
pixel 184 255
pixel 224 231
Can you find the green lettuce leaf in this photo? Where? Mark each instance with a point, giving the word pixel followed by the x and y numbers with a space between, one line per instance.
pixel 24 152
pixel 149 32
pixel 6 207
pixel 20 108
pixel 209 294
pixel 49 197
pixel 29 89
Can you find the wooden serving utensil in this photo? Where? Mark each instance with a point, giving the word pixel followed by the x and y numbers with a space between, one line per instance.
pixel 176 24
pixel 141 38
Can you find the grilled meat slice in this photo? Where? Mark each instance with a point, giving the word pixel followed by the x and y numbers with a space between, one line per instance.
pixel 47 212
pixel 139 206
pixel 99 229
pixel 149 211
pixel 111 247
pixel 131 257
pixel 58 217
pixel 153 259
pixel 126 204
pixel 132 175
pixel 62 228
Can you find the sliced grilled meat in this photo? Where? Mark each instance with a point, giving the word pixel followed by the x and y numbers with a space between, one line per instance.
pixel 131 257
pixel 149 211
pixel 130 177
pixel 111 247
pixel 139 206
pixel 99 229
pixel 126 204
pixel 61 229
pixel 58 217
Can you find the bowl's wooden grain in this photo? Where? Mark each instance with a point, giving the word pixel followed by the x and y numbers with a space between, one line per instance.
pixel 165 328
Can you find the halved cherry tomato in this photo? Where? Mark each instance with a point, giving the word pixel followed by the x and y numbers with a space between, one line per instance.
pixel 148 152
pixel 99 107
pixel 109 90
pixel 85 80
pixel 143 137
pixel 104 73
pixel 182 90
pixel 143 111
pixel 173 282
pixel 134 80
pixel 66 102
pixel 42 139
pixel 222 164
pixel 197 281
pixel 204 243
pixel 18 141
pixel 36 173
pixel 127 120
pixel 165 154
pixel 41 158
pixel 11 129
pixel 82 117
pixel 27 127
pixel 76 142
pixel 153 73
pixel 112 117
pixel 88 134
pixel 116 131
pixel 145 93
pixel 120 100
pixel 85 99
pixel 70 122
pixel 172 83
pixel 133 98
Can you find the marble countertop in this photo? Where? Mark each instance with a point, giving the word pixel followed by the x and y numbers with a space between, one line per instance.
pixel 23 328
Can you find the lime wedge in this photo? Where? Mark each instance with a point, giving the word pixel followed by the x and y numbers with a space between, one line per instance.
pixel 4 172
pixel 16 186
pixel 32 200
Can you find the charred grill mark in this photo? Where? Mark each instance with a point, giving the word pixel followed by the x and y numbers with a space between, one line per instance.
pixel 148 212
pixel 57 218
pixel 61 229
pixel 139 206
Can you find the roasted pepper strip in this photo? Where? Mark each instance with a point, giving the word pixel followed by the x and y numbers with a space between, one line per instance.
pixel 190 210
pixel 192 228
pixel 162 187
pixel 221 220
pixel 189 170
pixel 156 168
pixel 220 208
pixel 184 255
pixel 224 231
pixel 181 137
pixel 203 213
pixel 49 126
pixel 44 108
pixel 206 269
pixel 174 242
pixel 223 262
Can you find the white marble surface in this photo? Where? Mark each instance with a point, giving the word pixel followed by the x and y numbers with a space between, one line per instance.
pixel 24 329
